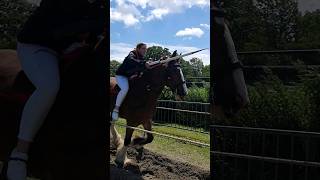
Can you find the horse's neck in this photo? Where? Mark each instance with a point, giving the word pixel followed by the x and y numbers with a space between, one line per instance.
pixel 148 87
pixel 156 79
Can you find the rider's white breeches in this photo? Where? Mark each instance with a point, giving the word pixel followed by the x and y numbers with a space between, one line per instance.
pixel 124 85
pixel 41 66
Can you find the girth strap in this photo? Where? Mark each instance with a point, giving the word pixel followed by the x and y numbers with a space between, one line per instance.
pixel 17 159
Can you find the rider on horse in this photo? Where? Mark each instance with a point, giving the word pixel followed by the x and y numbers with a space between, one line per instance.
pixel 132 67
pixel 56 27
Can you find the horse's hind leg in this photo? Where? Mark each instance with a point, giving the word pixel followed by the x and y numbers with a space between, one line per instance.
pixel 121 157
pixel 141 141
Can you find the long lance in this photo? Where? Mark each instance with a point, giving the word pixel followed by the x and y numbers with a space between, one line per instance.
pixel 175 58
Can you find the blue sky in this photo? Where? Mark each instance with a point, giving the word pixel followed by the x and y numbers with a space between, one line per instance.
pixel 182 25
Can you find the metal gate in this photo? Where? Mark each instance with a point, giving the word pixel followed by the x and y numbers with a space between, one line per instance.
pixel 263 154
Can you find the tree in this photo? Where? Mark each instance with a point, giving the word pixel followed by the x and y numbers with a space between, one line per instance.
pixel 192 68
pixel 279 20
pixel 206 71
pixel 113 67
pixel 308 35
pixel 156 52
pixel 13 13
pixel 186 68
pixel 262 24
pixel 197 66
pixel 244 25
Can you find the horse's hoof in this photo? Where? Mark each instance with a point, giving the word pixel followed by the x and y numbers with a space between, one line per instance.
pixel 119 164
pixel 140 155
pixel 132 166
pixel 129 162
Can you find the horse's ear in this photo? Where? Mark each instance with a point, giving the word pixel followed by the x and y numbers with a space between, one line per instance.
pixel 174 53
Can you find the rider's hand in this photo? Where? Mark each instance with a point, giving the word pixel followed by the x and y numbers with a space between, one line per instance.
pixel 148 66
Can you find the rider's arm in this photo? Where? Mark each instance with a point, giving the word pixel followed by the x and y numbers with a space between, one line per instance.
pixel 132 56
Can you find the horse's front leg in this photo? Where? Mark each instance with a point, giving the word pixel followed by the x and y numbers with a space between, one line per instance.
pixel 141 141
pixel 115 137
pixel 121 157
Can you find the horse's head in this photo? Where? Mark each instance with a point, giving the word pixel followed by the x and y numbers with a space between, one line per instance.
pixel 229 91
pixel 175 78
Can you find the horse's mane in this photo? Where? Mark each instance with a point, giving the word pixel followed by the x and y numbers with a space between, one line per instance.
pixel 149 75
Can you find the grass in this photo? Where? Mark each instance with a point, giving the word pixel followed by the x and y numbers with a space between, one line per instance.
pixel 198 156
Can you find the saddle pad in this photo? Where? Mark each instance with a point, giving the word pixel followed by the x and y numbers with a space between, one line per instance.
pixel 114 90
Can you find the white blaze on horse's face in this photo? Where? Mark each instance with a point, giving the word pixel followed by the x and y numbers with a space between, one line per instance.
pixel 185 89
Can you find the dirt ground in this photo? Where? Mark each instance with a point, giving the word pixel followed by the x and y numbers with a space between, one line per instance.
pixel 155 166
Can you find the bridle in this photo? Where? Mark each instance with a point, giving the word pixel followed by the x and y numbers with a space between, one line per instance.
pixel 170 60
pixel 177 65
pixel 150 85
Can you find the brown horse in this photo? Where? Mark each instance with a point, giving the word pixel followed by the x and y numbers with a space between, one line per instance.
pixel 140 104
pixel 9 68
pixel 71 142
pixel 228 88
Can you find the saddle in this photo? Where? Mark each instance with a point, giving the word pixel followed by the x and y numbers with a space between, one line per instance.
pixel 114 88
pixel 21 89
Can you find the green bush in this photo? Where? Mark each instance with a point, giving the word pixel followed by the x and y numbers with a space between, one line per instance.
pixel 195 94
pixel 274 105
pixel 13 13
pixel 311 88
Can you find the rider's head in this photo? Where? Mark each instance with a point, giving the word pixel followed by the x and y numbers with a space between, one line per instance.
pixel 141 49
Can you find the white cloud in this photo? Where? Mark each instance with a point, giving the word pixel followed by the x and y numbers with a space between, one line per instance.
pixel 127 11
pixel 207 26
pixel 197 32
pixel 127 19
pixel 157 14
pixel 141 3
pixel 178 4
pixel 118 51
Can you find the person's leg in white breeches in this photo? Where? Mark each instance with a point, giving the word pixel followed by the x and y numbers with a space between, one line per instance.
pixel 124 86
pixel 41 66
